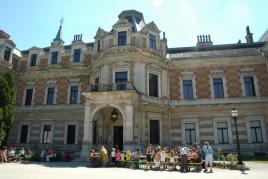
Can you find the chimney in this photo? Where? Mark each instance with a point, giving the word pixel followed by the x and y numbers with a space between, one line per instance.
pixel 77 37
pixel 249 36
pixel 204 41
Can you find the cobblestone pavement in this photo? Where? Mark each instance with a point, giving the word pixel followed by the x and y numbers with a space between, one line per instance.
pixel 74 170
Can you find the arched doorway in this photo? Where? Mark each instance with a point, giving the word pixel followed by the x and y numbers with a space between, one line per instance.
pixel 107 128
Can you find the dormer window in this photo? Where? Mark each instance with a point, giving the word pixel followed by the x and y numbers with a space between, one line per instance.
pixel 77 54
pixel 152 39
pixel 33 60
pixel 122 38
pixel 7 53
pixel 54 57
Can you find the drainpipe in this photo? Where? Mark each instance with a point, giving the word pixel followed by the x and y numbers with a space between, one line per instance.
pixel 169 105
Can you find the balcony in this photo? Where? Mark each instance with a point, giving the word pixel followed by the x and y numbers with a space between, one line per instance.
pixel 123 86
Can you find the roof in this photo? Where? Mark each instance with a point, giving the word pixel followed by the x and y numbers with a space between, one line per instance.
pixel 215 47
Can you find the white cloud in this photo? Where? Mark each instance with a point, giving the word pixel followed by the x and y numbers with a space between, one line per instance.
pixel 157 3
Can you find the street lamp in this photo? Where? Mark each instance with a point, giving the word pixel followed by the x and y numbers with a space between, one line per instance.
pixel 234 114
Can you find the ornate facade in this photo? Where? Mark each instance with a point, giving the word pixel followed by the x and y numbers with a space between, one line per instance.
pixel 128 89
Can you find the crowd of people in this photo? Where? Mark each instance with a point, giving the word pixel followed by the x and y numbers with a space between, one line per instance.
pixel 157 157
pixel 12 154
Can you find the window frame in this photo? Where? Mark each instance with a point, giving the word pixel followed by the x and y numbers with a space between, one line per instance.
pixel 29 85
pixel 66 132
pixel 229 129
pixel 28 132
pixel 246 85
pixel 155 116
pixel 9 55
pixel 190 130
pixel 126 38
pixel 249 72
pixel 187 76
pixel 183 129
pixel 152 42
pixel 155 71
pixel 74 82
pixel 263 129
pixel 42 132
pixel 214 75
pixel 51 84
pixel 74 55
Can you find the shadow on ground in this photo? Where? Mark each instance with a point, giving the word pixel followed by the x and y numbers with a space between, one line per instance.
pixel 58 164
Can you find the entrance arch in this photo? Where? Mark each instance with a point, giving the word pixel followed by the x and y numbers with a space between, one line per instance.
pixel 106 132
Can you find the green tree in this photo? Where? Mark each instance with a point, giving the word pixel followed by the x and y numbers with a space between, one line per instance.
pixel 7 105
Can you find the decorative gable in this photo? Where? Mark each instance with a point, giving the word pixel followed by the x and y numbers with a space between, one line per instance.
pixel 100 33
pixel 150 27
pixel 122 23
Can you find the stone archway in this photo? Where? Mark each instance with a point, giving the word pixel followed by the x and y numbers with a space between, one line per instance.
pixel 106 132
pixel 96 103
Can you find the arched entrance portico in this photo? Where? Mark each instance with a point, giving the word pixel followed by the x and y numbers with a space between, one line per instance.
pixel 105 131
pixel 98 109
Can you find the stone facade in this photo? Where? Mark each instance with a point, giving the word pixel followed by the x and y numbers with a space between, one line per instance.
pixel 126 70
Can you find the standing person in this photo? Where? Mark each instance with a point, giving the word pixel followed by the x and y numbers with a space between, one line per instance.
pixel 208 152
pixel 149 153
pixel 113 157
pixel 104 156
pixel 184 151
pixel 157 158
pixel 4 153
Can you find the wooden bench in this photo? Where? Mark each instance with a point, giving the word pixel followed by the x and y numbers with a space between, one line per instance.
pixel 197 166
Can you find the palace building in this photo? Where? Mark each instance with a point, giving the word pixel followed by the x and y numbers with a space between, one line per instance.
pixel 128 89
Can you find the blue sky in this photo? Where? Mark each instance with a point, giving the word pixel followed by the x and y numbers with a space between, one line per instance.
pixel 35 22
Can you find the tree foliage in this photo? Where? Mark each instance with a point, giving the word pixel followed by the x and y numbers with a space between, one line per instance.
pixel 7 105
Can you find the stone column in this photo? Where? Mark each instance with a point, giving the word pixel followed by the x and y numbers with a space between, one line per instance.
pixel 128 128
pixel 86 145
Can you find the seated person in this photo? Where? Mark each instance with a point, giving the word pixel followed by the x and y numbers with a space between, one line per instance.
pixel 43 155
pixel 50 154
pixel 12 155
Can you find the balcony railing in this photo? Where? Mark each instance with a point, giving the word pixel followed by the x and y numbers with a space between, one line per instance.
pixel 112 87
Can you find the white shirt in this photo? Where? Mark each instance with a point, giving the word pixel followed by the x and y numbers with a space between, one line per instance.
pixel 184 151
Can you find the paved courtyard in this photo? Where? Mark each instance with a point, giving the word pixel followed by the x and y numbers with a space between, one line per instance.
pixel 57 170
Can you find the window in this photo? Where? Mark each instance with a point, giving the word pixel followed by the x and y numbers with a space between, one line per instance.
pixel 190 133
pixel 154 132
pixel 33 60
pixel 122 38
pixel 153 85
pixel 152 40
pixel 218 88
pixel 249 86
pixel 74 95
pixel 28 97
pixel 188 89
pixel 47 134
pixel 7 53
pixel 24 133
pixel 222 131
pixel 120 79
pixel 77 54
pixel 54 57
pixel 95 86
pixel 256 131
pixel 98 46
pixel 50 95
pixel 95 130
pixel 71 129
